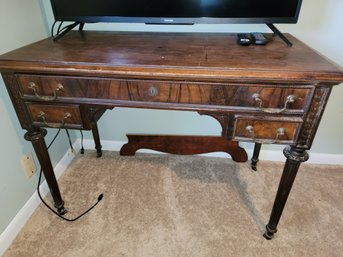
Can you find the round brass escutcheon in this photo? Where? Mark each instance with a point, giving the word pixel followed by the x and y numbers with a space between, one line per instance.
pixel 152 91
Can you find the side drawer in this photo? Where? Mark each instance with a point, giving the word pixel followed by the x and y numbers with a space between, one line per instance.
pixel 267 98
pixel 267 131
pixel 55 116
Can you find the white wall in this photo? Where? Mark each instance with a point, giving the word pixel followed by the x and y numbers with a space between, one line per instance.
pixel 319 22
pixel 321 26
pixel 21 22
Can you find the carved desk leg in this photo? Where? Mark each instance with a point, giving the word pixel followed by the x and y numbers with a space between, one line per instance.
pixel 37 140
pixel 96 137
pixel 294 157
pixel 254 159
pixel 91 115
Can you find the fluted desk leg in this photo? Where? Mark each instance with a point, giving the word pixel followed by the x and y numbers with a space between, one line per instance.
pixel 37 139
pixel 294 158
pixel 96 137
pixel 254 159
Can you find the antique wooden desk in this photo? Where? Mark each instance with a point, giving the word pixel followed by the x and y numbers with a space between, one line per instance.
pixel 263 94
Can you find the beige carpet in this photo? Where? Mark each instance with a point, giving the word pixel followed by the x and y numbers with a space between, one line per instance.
pixel 163 205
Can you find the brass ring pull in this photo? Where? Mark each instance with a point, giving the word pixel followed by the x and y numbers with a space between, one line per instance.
pixel 42 116
pixel 279 132
pixel 289 99
pixel 152 91
pixel 33 87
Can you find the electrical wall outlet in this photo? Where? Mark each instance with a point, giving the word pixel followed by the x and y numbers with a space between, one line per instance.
pixel 28 164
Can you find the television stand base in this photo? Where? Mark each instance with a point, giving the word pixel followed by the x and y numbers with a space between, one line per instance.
pixel 279 33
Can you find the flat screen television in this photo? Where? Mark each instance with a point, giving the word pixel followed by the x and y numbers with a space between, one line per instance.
pixel 177 11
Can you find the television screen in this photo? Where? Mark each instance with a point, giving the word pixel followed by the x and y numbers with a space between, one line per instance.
pixel 177 11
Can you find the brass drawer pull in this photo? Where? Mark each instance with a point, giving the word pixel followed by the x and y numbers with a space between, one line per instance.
pixel 152 91
pixel 33 87
pixel 42 116
pixel 289 99
pixel 279 132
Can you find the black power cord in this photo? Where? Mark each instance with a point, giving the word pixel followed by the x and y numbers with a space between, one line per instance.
pixel 52 29
pixel 41 198
pixel 82 151
pixel 70 143
pixel 61 31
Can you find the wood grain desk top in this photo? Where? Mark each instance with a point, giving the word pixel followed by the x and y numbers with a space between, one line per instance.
pixel 175 55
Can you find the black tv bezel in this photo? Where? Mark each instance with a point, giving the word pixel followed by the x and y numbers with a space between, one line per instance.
pixel 176 21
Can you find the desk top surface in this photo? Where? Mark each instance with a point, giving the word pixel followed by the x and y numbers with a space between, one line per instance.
pixel 176 55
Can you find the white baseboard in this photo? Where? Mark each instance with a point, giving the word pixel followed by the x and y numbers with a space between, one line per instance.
pixel 315 158
pixel 18 222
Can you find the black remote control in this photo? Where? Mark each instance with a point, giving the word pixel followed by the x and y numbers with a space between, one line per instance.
pixel 258 38
pixel 244 39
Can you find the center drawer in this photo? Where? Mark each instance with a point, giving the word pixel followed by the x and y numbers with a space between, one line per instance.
pixel 263 97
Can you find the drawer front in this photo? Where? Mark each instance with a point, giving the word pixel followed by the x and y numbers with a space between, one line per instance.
pixel 266 131
pixel 265 98
pixel 55 116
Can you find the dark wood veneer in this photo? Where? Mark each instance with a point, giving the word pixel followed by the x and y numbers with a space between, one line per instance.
pixel 220 94
pixel 86 73
pixel 56 115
